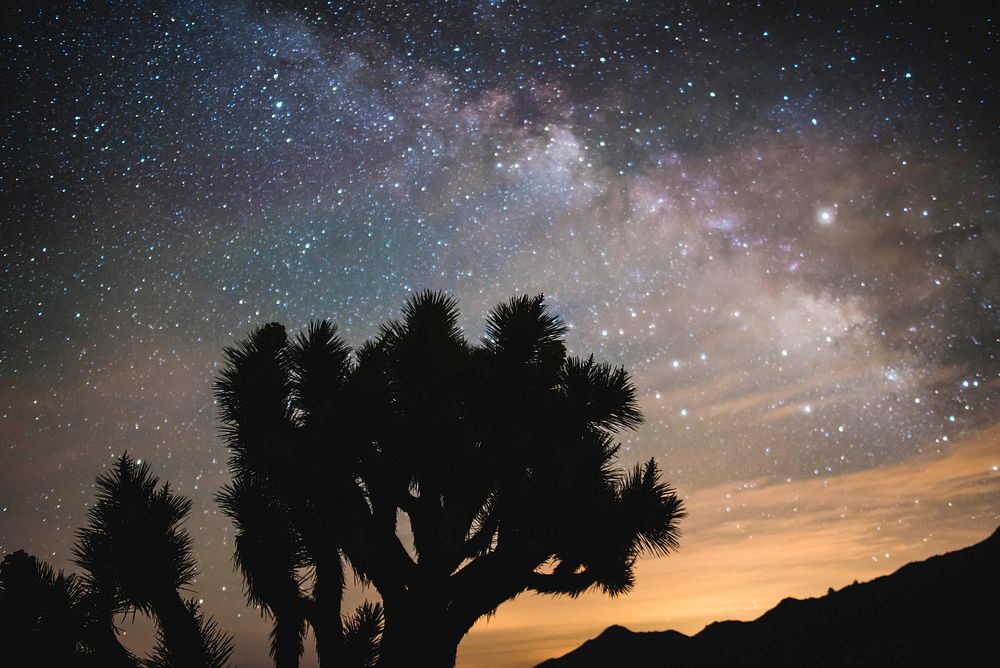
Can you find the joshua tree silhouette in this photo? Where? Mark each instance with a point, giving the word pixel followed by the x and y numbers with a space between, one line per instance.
pixel 500 454
pixel 42 612
pixel 136 555
pixel 271 555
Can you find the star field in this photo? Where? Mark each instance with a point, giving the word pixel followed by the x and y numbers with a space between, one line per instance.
pixel 783 220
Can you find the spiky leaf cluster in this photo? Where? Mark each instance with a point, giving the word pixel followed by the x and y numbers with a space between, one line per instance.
pixel 134 548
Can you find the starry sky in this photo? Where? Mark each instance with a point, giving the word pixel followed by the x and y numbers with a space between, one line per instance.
pixel 782 219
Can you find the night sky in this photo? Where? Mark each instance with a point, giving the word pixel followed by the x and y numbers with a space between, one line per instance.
pixel 784 222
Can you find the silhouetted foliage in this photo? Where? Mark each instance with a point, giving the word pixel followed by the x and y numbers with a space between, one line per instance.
pixel 136 555
pixel 134 548
pixel 41 612
pixel 363 635
pixel 501 454
pixel 211 648
pixel 270 555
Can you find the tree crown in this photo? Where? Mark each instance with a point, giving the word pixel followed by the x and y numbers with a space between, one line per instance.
pixel 501 453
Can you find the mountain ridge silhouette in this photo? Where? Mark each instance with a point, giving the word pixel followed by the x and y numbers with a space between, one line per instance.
pixel 942 609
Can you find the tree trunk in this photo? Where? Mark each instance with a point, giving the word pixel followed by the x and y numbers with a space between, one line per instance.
pixel 328 595
pixel 108 649
pixel 286 637
pixel 418 635
pixel 181 635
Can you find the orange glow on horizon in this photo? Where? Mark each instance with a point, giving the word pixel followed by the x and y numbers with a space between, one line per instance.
pixel 746 547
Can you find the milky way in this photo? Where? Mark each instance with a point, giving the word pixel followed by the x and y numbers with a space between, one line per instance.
pixel 783 222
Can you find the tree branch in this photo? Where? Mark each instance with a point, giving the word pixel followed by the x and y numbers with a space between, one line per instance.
pixel 558 582
pixel 376 551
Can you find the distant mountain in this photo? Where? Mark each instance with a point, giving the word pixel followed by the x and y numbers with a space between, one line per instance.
pixel 943 611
